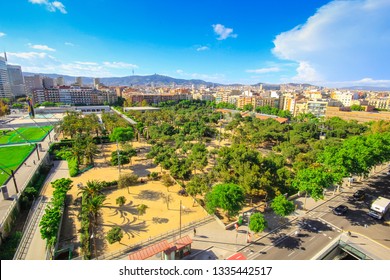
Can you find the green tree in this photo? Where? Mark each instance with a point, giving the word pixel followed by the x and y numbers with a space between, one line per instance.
pixel 198 185
pixel 356 107
pixel 127 180
pixel 114 235
pixel 92 188
pixel 257 223
pixel 141 209
pixel 122 134
pixel 313 180
pixel 248 107
pixel 282 206
pixel 229 197
pixel 167 181
pixel 198 157
pixel 120 201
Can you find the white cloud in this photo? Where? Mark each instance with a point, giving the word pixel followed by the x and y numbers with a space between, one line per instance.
pixel 69 44
pixel 38 1
pixel 86 63
pixel 223 32
pixel 41 47
pixel 26 55
pixel 123 65
pixel 41 62
pixel 50 6
pixel 264 70
pixel 342 41
pixel 361 82
pixel 202 48
pixel 2 34
pixel 58 6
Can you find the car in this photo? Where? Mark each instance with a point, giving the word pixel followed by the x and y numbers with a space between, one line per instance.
pixel 359 195
pixel 340 210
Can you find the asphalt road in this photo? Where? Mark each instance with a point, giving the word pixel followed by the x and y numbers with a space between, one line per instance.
pixel 305 238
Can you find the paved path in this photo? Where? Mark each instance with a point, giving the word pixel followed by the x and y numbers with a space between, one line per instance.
pixel 37 248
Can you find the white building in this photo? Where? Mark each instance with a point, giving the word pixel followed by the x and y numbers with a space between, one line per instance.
pixel 5 86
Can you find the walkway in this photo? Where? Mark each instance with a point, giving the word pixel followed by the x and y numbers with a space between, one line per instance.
pixel 32 247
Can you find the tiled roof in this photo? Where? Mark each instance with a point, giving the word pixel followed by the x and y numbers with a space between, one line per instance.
pixel 150 251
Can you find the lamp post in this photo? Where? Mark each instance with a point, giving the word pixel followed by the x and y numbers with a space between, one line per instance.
pixel 13 178
pixel 180 221
pixel 36 146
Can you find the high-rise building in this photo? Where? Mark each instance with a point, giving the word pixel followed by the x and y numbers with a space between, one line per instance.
pixel 79 81
pixel 16 80
pixel 96 83
pixel 60 81
pixel 33 82
pixel 5 86
pixel 48 82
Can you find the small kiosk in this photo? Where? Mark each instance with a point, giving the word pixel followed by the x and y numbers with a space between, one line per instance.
pixel 169 251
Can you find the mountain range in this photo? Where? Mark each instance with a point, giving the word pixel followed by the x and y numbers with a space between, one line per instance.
pixel 161 80
pixel 148 80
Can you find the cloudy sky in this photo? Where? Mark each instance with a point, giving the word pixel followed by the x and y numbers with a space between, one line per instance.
pixel 331 43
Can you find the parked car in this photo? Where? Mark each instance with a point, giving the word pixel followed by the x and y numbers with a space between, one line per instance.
pixel 359 195
pixel 340 210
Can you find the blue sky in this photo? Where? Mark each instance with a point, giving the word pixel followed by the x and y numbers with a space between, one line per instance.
pixel 332 43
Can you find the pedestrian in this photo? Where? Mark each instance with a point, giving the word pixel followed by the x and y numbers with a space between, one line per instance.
pixel 248 239
pixel 34 162
pixel 25 164
pixel 365 225
pixel 194 232
pixel 349 233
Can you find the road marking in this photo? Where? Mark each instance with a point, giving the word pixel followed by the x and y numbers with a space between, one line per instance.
pixel 324 234
pixel 330 237
pixel 290 254
pixel 312 238
pixel 329 224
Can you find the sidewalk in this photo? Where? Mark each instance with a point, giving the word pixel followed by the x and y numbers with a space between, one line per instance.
pixel 212 241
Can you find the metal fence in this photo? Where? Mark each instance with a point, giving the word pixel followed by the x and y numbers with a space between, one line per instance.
pixel 29 228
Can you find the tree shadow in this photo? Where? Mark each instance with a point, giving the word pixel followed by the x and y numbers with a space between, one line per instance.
pixel 149 195
pixel 311 225
pixel 158 220
pixel 140 169
pixel 288 242
pixel 360 217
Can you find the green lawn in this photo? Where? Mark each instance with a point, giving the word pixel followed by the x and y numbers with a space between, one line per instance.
pixel 11 157
pixel 33 134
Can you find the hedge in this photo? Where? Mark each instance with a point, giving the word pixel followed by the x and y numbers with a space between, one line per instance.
pixel 73 167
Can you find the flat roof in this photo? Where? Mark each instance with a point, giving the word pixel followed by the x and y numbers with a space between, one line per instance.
pixel 140 108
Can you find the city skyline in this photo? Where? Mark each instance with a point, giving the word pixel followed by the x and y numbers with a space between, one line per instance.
pixel 327 43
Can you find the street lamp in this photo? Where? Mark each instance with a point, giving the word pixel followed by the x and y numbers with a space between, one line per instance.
pixel 13 177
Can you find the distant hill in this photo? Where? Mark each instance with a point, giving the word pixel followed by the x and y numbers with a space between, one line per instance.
pixel 157 80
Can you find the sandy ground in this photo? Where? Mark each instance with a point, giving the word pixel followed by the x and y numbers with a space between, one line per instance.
pixel 157 220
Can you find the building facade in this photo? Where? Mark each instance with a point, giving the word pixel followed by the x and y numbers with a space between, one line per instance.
pixel 5 86
pixel 74 96
pixel 16 80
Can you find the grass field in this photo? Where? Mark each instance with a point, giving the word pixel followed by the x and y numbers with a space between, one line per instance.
pixel 11 157
pixel 33 134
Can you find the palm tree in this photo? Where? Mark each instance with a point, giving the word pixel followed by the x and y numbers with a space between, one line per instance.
pixel 93 188
pixel 90 150
pixel 141 209
pixel 95 204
